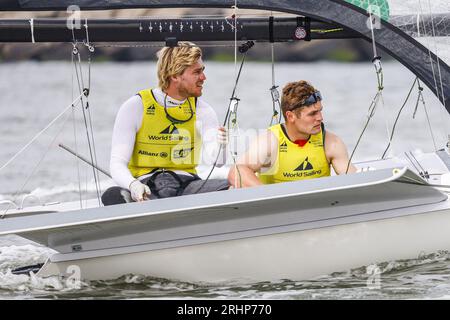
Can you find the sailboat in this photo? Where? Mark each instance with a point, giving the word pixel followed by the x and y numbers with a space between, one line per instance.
pixel 297 230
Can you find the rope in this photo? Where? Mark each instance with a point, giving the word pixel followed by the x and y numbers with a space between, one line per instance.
pixel 231 115
pixel 76 144
pixel 276 105
pixel 40 132
pixel 85 91
pixel 27 179
pixel 379 95
pixel 420 98
pixel 429 52
pixel 437 57
pixel 398 116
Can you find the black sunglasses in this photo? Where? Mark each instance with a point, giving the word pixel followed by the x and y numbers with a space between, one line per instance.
pixel 313 98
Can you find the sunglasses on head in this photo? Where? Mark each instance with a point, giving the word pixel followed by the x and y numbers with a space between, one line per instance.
pixel 312 99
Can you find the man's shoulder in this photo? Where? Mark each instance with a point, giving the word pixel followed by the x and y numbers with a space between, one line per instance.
pixel 332 137
pixel 135 99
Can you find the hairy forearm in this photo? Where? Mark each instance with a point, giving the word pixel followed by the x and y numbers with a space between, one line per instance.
pixel 241 176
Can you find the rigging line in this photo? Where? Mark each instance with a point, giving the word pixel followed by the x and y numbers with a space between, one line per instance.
pixel 372 108
pixel 86 93
pixel 420 98
pixel 273 90
pixel 324 31
pixel 429 50
pixel 243 49
pixel 398 116
pixel 412 162
pixel 91 50
pixel 374 47
pixel 379 71
pixel 33 171
pixel 424 172
pixel 437 56
pixel 76 143
pixel 428 46
pixel 40 132
pixel 379 95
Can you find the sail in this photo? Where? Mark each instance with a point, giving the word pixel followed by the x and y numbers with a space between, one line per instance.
pixel 427 21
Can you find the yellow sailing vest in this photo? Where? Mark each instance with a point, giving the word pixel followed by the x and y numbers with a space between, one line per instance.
pixel 297 163
pixel 164 143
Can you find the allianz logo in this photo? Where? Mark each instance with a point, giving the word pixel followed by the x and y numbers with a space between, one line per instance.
pixel 153 154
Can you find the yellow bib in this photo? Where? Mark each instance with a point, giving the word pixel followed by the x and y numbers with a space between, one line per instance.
pixel 164 143
pixel 297 163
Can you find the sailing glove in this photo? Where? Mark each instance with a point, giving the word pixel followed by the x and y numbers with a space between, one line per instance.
pixel 139 191
pixel 222 136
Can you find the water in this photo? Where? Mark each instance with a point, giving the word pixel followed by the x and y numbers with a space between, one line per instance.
pixel 32 94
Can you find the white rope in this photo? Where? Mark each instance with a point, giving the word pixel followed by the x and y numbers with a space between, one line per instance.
pixel 432 63
pixel 437 55
pixel 41 132
pixel 77 161
pixel 429 52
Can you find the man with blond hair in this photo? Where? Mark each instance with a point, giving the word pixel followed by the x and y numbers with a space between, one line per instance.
pixel 161 134
pixel 298 149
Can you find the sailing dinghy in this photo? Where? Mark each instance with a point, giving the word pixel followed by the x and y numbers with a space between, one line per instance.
pixel 296 230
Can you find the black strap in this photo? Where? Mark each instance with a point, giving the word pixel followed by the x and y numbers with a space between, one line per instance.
pixel 323 133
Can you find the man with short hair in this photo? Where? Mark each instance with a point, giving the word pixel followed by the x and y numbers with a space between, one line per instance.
pixel 159 133
pixel 298 149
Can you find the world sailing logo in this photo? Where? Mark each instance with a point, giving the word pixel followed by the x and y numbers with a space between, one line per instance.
pixel 304 170
pixel 171 129
pixel 151 110
pixel 305 165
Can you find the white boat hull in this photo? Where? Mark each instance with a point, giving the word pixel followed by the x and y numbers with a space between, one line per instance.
pixel 296 231
pixel 296 255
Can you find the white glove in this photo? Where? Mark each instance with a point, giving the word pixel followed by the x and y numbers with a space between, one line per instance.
pixel 365 169
pixel 222 136
pixel 139 191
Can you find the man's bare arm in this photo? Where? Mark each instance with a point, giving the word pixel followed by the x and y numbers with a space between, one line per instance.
pixel 259 155
pixel 337 154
